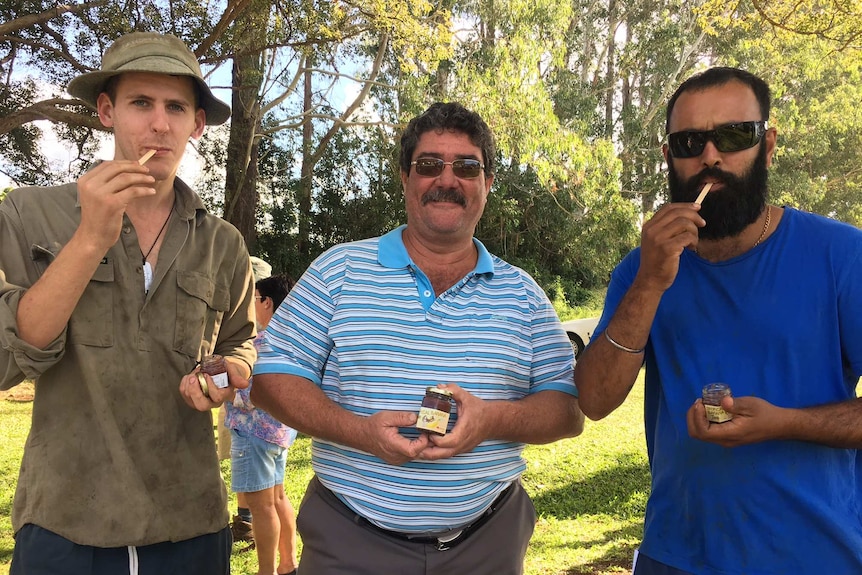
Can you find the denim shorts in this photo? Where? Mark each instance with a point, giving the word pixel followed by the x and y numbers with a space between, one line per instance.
pixel 255 464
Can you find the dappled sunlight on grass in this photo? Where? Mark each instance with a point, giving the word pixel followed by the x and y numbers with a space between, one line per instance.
pixel 590 493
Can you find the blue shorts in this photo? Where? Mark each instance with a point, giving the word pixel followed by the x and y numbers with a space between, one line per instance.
pixel 255 464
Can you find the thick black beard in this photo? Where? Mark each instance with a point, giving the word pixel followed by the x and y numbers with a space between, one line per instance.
pixel 731 209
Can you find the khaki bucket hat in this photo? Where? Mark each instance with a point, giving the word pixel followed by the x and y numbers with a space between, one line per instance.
pixel 149 52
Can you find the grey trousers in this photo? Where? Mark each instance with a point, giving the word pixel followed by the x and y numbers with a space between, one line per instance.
pixel 336 541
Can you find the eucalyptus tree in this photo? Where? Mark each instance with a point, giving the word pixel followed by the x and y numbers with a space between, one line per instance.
pixel 43 45
pixel 556 192
pixel 816 84
pixel 331 46
pixel 309 68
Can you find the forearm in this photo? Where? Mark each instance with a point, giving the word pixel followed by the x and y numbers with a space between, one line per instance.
pixel 45 309
pixel 834 425
pixel 237 332
pixel 604 374
pixel 538 418
pixel 303 406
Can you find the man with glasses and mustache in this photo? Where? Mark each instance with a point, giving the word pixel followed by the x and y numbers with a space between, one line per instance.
pixel 370 326
pixel 765 299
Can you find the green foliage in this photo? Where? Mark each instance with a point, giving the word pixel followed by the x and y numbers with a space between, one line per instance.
pixel 359 197
pixel 815 91
pixel 575 92
pixel 590 302
pixel 576 231
pixel 26 163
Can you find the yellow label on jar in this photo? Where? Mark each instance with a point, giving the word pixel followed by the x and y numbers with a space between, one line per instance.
pixel 432 420
pixel 716 414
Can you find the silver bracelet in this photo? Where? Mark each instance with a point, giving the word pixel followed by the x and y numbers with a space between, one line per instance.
pixel 620 346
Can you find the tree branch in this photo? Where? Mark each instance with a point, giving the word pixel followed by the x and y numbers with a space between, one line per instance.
pixel 30 20
pixel 52 111
pixel 369 83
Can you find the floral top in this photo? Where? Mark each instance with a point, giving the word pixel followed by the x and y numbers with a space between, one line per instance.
pixel 243 416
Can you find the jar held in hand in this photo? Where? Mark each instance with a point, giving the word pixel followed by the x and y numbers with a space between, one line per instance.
pixel 434 413
pixel 712 396
pixel 216 367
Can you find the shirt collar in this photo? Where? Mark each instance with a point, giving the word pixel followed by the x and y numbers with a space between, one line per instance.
pixel 391 253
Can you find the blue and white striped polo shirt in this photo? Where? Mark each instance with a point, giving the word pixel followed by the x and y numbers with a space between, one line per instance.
pixel 363 323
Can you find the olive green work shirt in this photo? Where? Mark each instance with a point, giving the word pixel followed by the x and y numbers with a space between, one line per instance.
pixel 115 457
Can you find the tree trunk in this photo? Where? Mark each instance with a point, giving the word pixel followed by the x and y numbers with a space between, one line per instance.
pixel 304 191
pixel 241 172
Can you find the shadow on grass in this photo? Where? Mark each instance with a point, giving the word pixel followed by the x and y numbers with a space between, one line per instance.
pixel 618 491
pixel 5 555
pixel 618 558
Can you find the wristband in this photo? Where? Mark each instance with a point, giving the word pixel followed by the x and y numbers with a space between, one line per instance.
pixel 620 346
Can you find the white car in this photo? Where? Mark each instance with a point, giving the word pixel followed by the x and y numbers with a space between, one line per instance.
pixel 580 331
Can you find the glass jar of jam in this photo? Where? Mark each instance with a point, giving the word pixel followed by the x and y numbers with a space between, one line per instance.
pixel 216 367
pixel 712 396
pixel 435 410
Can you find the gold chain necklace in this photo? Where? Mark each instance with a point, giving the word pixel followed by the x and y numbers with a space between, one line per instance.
pixel 765 227
pixel 762 233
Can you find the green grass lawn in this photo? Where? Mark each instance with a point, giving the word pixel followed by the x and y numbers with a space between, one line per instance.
pixel 590 492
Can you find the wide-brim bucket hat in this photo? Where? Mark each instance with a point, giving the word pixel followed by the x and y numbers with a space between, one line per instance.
pixel 155 53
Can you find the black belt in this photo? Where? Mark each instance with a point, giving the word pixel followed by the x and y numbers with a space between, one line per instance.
pixel 441 542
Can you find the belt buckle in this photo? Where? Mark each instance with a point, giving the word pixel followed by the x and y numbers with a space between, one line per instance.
pixel 447 542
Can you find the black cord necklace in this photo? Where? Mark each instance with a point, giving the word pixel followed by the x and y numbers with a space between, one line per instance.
pixel 158 235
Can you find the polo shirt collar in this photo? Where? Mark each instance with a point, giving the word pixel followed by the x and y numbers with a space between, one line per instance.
pixel 391 253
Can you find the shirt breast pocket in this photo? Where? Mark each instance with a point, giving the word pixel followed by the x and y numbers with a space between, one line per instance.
pixel 201 305
pixel 92 321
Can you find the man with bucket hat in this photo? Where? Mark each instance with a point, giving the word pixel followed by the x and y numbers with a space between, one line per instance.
pixel 112 289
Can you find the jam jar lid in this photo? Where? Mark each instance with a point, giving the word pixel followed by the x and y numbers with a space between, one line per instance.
pixel 439 391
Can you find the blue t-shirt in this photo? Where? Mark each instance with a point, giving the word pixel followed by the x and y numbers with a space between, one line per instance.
pixel 782 322
pixel 365 325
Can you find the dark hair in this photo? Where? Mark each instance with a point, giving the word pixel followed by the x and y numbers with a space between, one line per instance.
pixel 448 116
pixel 720 76
pixel 275 287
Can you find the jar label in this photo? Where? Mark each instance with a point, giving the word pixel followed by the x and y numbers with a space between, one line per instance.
pixel 716 414
pixel 220 380
pixel 432 420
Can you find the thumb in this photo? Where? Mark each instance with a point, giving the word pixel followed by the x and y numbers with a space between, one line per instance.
pixel 401 418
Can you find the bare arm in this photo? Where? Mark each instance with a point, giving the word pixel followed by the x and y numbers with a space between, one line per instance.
pixel 104 192
pixel 605 373
pixel 537 418
pixel 302 405
pixel 754 420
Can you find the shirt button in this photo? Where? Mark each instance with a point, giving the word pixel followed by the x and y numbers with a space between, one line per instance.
pixel 427 293
pixel 127 230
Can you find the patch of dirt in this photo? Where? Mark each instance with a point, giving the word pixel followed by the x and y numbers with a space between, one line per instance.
pixel 22 392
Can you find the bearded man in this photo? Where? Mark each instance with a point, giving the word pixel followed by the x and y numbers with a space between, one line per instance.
pixel 767 300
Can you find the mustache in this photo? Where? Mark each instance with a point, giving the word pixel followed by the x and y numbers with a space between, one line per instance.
pixel 444 195
pixel 713 174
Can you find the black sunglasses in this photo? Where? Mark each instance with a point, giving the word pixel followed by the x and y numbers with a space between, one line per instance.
pixel 728 138
pixel 433 167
